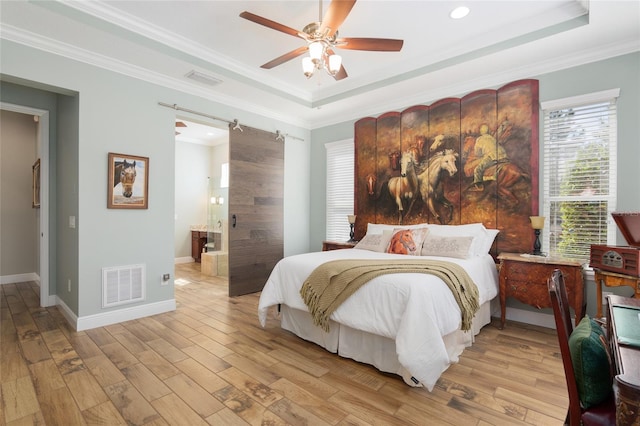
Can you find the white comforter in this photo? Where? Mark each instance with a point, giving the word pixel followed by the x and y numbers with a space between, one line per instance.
pixel 415 310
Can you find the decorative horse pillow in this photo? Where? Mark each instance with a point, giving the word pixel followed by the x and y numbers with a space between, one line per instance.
pixel 407 241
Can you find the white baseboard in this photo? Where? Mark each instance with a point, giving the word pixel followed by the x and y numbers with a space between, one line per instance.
pixel 71 318
pixel 19 278
pixel 117 316
pixel 187 259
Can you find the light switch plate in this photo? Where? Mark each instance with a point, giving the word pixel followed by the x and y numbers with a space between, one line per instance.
pixel 72 221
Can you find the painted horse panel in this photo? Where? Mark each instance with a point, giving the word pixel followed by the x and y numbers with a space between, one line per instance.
pixel 443 202
pixel 478 117
pixel 517 185
pixel 414 133
pixel 387 166
pixel 366 179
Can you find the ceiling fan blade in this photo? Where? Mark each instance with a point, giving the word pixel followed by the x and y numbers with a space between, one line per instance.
pixel 376 44
pixel 335 16
pixel 286 57
pixel 270 24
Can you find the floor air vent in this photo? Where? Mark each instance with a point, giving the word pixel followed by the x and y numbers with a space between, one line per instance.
pixel 123 284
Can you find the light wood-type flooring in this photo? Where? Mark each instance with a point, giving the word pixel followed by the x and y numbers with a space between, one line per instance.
pixel 209 362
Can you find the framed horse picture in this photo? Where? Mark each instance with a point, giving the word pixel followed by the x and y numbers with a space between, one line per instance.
pixel 35 175
pixel 128 182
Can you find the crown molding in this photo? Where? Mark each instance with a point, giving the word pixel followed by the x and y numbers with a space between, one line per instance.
pixel 36 41
pixel 363 109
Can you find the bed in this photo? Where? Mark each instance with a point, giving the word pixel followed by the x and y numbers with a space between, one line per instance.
pixel 409 323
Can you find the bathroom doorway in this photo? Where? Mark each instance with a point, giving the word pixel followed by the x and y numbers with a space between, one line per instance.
pixel 201 196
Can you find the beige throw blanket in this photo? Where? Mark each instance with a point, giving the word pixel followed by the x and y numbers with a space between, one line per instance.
pixel 333 282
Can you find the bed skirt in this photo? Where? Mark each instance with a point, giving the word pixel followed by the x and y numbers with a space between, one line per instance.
pixel 372 349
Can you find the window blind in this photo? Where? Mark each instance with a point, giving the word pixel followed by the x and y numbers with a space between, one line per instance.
pixel 340 188
pixel 579 169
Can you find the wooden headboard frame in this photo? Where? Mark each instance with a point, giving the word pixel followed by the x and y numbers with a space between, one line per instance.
pixel 459 129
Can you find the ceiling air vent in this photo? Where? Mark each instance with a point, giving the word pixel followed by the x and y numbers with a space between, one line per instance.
pixel 203 78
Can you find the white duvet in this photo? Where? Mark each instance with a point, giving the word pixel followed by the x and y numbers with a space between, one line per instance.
pixel 414 310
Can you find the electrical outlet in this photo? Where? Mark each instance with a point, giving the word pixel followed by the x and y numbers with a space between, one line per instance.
pixel 165 279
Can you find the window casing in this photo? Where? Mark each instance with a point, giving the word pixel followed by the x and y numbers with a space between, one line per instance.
pixel 579 173
pixel 340 188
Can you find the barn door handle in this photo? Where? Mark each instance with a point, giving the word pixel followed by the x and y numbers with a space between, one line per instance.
pixel 233 221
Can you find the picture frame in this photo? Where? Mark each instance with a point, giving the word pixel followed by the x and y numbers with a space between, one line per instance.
pixel 128 181
pixel 35 177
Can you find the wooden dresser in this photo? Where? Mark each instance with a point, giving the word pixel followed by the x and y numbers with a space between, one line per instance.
pixel 524 277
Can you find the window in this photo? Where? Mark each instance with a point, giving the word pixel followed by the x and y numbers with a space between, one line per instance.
pixel 579 169
pixel 340 184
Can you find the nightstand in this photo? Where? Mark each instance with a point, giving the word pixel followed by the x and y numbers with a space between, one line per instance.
pixel 613 279
pixel 337 245
pixel 524 277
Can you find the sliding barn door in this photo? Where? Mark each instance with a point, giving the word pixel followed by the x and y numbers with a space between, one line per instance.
pixel 256 187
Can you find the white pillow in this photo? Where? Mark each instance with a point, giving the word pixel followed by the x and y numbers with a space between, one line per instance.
pixel 436 245
pixel 476 230
pixel 377 228
pixel 488 241
pixel 375 242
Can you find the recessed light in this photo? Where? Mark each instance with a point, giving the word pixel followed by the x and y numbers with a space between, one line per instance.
pixel 459 12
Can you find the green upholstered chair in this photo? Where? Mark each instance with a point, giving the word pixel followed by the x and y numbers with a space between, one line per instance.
pixel 591 399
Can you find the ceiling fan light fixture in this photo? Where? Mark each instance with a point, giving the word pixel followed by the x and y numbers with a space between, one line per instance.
pixel 316 50
pixel 335 62
pixel 308 66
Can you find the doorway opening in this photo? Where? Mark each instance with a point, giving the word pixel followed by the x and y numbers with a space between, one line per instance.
pixel 41 117
pixel 201 196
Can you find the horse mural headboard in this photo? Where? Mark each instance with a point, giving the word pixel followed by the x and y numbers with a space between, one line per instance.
pixel 458 160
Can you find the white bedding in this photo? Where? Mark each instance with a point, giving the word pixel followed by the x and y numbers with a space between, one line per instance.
pixel 414 310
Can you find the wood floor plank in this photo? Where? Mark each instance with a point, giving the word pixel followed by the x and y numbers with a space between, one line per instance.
pixel 175 411
pixel 104 370
pixel 150 386
pixel 200 374
pixel 12 363
pixel 194 395
pixel 59 408
pixel 131 405
pixel 158 365
pixel 245 383
pixel 46 377
pixel 85 346
pixel 264 375
pixel 167 350
pixel 293 413
pixel 85 389
pixel 311 403
pixel 66 358
pixel 226 417
pixel 206 358
pixel 242 405
pixel 19 398
pixel 105 414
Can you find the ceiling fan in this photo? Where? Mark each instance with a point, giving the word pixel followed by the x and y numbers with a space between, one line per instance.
pixel 322 38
